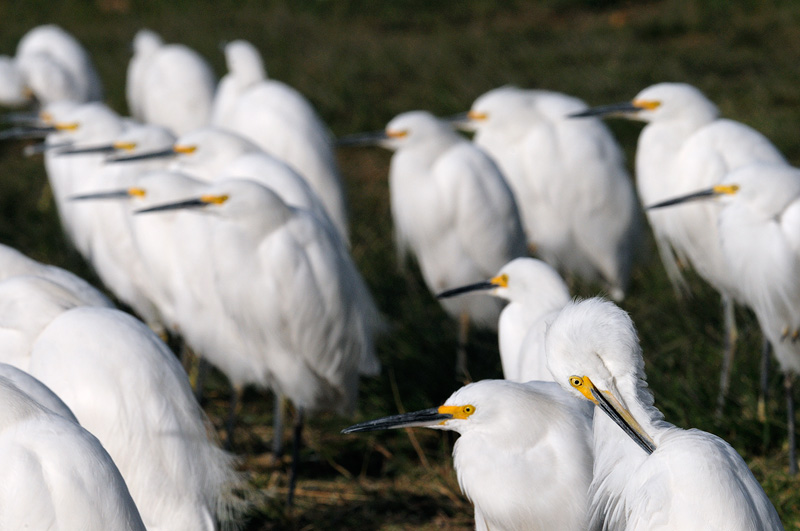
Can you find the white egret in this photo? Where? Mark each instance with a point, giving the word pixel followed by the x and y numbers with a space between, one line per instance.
pixel 575 197
pixel 684 147
pixel 51 65
pixel 288 287
pixel 126 387
pixel 523 457
pixel 283 123
pixel 211 153
pixel 536 293
pixel 55 474
pixel 759 230
pixel 169 84
pixel 453 209
pixel 648 474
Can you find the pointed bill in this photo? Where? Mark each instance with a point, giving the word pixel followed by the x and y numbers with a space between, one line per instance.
pixel 111 194
pixel 180 205
pixel 423 418
pixel 26 132
pixel 107 148
pixel 372 138
pixel 720 189
pixel 614 109
pixel 163 153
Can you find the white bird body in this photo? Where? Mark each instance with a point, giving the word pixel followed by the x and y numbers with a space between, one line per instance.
pixel 759 227
pixel 452 208
pixel 281 122
pixel 169 84
pixel 296 298
pixel 55 474
pixel 691 479
pixel 683 148
pixel 576 200
pixel 127 388
pixel 52 65
pixel 523 456
pixel 245 69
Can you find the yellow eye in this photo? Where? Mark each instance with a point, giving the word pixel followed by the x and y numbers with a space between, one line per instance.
pixel 575 381
pixel 468 410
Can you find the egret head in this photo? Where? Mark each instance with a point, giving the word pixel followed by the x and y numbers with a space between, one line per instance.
pixel 661 102
pixel 518 280
pixel 593 353
pixel 497 407
pixel 244 61
pixel 498 107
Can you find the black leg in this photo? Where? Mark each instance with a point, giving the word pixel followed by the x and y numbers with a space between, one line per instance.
pixel 764 395
pixel 235 406
pixel 788 385
pixel 277 426
pixel 298 431
pixel 729 350
pixel 462 374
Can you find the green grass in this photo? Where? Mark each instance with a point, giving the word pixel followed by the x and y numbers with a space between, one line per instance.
pixel 361 63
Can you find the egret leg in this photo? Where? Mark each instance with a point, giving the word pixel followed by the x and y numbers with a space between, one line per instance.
pixel 277 426
pixel 788 385
pixel 296 440
pixel 764 395
pixel 235 406
pixel 461 355
pixel 729 350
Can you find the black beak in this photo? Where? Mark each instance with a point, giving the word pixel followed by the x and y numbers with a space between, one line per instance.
pixel 615 109
pixel 113 194
pixel 478 286
pixel 164 153
pixel 703 194
pixel 88 150
pixel 372 138
pixel 19 118
pixel 189 203
pixel 26 132
pixel 617 417
pixel 426 417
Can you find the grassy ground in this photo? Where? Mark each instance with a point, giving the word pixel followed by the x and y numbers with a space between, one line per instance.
pixel 363 62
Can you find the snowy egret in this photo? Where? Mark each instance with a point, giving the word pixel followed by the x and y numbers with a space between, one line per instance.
pixel 453 209
pixel 211 153
pixel 647 473
pixel 169 84
pixel 575 196
pixel 759 230
pixel 523 457
pixel 684 147
pixel 536 292
pixel 129 390
pixel 55 474
pixel 282 122
pixel 51 65
pixel 288 287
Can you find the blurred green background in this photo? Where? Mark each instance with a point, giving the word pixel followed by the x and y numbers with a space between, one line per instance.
pixel 361 63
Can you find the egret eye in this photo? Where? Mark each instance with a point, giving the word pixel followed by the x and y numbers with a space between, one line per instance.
pixel 575 381
pixel 468 409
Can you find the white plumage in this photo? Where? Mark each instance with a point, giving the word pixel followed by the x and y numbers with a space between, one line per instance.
pixel 523 456
pixel 569 178
pixel 651 474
